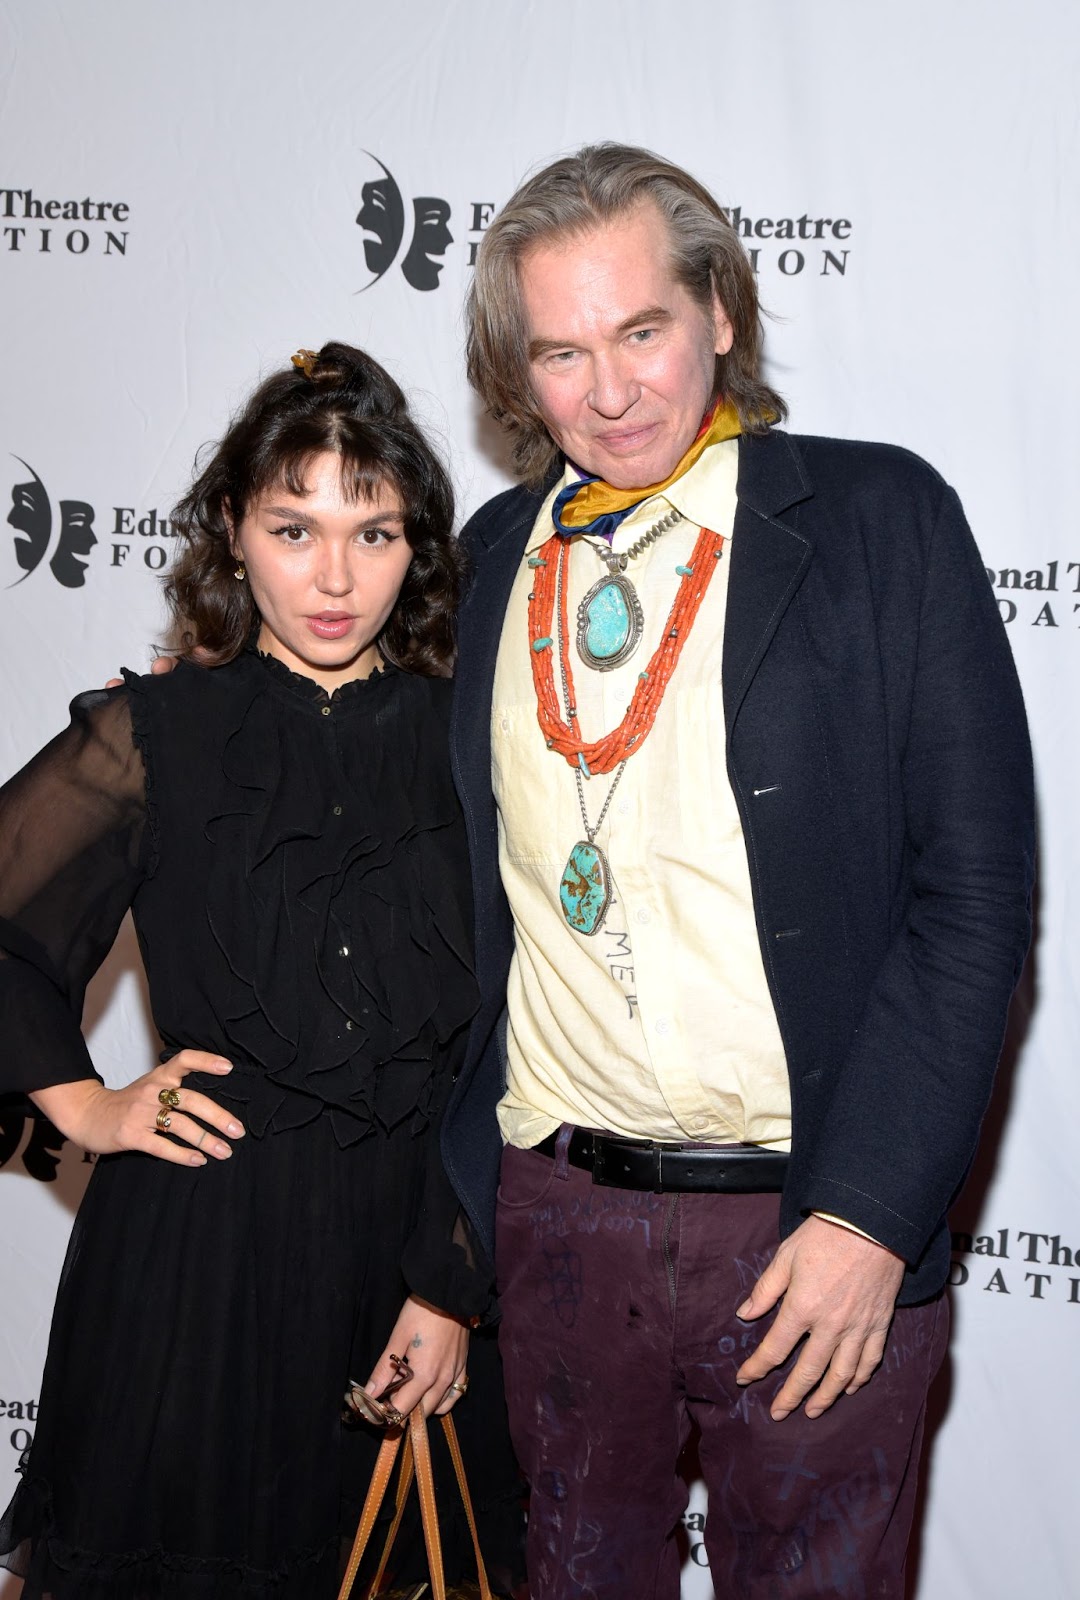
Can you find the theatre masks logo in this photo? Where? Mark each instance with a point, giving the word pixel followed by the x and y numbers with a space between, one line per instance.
pixel 65 537
pixel 382 219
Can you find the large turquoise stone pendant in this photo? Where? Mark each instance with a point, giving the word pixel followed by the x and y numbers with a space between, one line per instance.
pixel 585 890
pixel 609 623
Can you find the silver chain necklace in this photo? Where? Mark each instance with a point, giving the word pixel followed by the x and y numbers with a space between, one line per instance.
pixel 585 889
pixel 610 619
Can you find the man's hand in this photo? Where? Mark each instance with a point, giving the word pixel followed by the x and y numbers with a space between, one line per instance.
pixel 839 1289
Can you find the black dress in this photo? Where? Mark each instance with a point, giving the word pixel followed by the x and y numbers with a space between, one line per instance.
pixel 297 872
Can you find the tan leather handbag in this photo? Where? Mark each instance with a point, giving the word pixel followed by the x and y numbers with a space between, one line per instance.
pixel 415 1459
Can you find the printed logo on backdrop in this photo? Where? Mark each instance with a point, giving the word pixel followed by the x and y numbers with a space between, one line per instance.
pixel 37 224
pixel 1038 597
pixel 1017 1262
pixel 787 246
pixel 382 218
pixel 790 246
pixel 62 540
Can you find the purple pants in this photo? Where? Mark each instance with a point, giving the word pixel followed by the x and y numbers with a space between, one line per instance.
pixel 619 1331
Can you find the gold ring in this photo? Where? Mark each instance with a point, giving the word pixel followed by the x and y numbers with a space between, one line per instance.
pixel 394 1417
pixel 169 1098
pixel 163 1121
pixel 460 1386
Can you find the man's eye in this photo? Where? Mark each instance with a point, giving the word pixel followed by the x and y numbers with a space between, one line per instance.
pixel 642 335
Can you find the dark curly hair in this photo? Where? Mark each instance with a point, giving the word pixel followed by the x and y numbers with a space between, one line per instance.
pixel 341 401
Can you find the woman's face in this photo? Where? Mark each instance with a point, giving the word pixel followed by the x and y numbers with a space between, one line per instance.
pixel 325 573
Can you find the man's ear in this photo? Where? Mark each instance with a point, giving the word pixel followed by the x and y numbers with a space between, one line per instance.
pixel 725 332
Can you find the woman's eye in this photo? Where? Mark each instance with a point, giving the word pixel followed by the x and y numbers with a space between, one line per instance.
pixel 376 536
pixel 291 533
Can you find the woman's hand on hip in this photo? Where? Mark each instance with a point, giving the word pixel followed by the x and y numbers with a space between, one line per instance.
pixel 136 1117
pixel 437 1346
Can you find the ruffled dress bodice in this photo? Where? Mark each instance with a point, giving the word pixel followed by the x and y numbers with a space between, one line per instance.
pixel 309 851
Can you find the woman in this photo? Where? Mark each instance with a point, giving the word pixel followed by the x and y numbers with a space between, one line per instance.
pixel 270 1219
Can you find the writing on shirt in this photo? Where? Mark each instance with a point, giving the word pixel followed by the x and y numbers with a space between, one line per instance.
pixel 618 954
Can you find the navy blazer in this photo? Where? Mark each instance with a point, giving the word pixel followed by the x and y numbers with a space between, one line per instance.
pixel 876 743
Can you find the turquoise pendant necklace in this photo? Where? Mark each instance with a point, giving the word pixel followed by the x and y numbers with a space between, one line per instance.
pixel 610 618
pixel 586 887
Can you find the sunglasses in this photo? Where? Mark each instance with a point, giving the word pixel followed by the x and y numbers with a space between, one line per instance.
pixel 379 1410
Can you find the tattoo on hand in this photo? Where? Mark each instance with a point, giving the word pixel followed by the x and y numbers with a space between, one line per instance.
pixel 417 1342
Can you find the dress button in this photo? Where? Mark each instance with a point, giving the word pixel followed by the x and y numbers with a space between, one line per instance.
pixel 344 950
pixel 348 1027
pixel 326 711
pixel 337 811
pixel 642 916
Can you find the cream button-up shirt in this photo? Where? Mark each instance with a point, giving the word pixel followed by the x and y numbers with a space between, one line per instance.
pixel 661 1024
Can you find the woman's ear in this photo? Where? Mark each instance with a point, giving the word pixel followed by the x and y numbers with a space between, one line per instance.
pixel 230 525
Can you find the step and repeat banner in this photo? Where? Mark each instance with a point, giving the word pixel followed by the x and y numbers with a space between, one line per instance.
pixel 189 193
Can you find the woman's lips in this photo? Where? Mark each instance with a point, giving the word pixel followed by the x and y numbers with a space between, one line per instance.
pixel 330 624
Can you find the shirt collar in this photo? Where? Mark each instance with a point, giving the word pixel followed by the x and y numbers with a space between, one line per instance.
pixel 701 494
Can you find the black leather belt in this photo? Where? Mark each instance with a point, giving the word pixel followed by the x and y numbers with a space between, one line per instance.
pixel 643 1164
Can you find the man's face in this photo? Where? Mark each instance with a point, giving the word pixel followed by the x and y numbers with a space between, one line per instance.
pixel 621 357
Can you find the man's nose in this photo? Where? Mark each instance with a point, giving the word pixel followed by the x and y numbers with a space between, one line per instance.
pixel 614 389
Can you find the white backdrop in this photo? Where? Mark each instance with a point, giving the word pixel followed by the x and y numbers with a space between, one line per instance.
pixel 184 188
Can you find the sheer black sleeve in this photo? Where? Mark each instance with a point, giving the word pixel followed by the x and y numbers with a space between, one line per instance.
pixel 440 1262
pixel 74 846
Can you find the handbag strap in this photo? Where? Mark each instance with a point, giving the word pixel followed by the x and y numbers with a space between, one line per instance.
pixel 429 1513
pixel 415 1457
pixel 463 1484
pixel 404 1484
pixel 380 1478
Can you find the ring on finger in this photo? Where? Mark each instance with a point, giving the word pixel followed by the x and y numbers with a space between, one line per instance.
pixel 459 1385
pixel 170 1098
pixel 199 1140
pixel 163 1121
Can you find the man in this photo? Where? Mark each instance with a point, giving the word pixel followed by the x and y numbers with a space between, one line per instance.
pixel 743 758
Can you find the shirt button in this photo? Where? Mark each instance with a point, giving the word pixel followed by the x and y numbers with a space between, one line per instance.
pixel 326 711
pixel 642 916
pixel 505 724
pixel 623 807
pixel 699 1124
pixel 663 1026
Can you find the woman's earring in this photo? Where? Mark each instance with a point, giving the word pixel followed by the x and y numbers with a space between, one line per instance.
pixel 241 572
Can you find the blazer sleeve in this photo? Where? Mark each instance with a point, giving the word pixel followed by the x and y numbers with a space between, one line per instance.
pixel 73 850
pixel 902 1126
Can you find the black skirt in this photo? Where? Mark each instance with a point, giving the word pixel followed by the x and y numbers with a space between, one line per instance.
pixel 190 1439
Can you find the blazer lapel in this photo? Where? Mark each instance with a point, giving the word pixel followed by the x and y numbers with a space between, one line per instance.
pixel 480 624
pixel 768 559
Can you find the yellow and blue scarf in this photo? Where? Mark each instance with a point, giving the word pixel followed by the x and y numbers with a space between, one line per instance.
pixel 593 506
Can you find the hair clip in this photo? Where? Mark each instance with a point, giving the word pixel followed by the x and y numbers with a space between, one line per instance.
pixel 305 360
